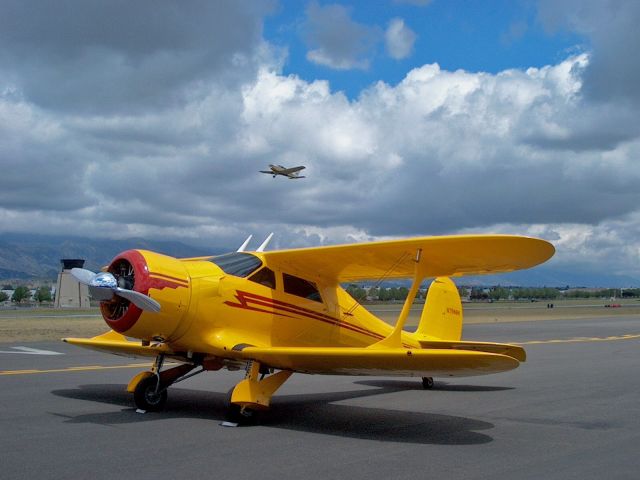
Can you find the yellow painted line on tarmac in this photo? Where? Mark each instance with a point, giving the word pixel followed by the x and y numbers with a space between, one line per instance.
pixel 74 369
pixel 583 339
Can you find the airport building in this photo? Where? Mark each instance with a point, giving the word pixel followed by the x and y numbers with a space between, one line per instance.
pixel 69 292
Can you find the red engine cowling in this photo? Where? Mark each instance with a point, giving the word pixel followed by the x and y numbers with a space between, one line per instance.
pixel 163 278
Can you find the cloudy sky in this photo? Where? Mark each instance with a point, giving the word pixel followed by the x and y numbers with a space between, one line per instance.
pixel 413 117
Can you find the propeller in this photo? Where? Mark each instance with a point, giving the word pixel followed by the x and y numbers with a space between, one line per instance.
pixel 103 286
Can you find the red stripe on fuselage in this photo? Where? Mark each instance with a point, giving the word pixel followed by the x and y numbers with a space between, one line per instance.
pixel 246 300
pixel 160 281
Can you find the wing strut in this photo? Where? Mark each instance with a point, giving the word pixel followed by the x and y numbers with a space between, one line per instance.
pixel 391 269
pixel 394 339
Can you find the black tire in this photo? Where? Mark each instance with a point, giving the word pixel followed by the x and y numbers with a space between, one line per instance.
pixel 146 398
pixel 427 383
pixel 235 413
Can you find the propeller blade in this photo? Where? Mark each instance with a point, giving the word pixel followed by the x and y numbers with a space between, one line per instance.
pixel 83 275
pixel 140 300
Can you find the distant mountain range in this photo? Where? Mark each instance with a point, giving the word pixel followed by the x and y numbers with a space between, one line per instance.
pixel 26 257
pixel 30 257
pixel 544 276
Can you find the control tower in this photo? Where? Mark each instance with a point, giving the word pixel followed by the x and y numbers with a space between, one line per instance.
pixel 70 293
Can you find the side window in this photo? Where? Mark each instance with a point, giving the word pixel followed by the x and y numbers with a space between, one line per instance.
pixel 301 287
pixel 264 277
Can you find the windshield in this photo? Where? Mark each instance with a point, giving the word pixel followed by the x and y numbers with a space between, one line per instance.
pixel 239 264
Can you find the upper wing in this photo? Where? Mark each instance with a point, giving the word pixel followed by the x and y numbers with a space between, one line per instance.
pixel 393 361
pixel 440 256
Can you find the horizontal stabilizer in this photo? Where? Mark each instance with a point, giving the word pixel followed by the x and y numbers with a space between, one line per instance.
pixel 513 351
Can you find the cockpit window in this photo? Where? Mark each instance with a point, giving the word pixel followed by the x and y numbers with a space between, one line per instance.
pixel 238 263
pixel 301 287
pixel 265 277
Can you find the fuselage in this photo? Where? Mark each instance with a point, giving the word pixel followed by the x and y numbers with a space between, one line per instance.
pixel 216 304
pixel 284 171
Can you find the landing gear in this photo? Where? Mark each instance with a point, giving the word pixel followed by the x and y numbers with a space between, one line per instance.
pixel 150 388
pixel 427 383
pixel 238 415
pixel 252 395
pixel 149 395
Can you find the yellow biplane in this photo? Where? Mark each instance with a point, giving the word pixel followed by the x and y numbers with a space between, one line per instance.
pixel 274 313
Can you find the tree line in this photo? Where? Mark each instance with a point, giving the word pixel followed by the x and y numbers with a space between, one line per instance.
pixel 545 293
pixel 496 293
pixel 23 294
pixel 502 293
pixel 379 293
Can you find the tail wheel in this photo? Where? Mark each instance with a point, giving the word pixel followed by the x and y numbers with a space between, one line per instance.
pixel 150 396
pixel 427 383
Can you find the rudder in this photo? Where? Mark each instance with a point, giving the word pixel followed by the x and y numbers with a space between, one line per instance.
pixel 442 313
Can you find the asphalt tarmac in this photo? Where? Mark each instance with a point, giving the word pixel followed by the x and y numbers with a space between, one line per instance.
pixel 572 411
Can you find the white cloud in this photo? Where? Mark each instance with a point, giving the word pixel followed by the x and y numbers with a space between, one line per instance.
pixel 335 40
pixel 116 57
pixel 338 62
pixel 399 39
pixel 611 28
pixel 440 152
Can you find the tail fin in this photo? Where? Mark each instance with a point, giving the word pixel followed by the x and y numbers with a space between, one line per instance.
pixel 442 314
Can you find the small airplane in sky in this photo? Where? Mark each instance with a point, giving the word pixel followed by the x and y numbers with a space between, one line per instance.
pixel 291 173
pixel 273 313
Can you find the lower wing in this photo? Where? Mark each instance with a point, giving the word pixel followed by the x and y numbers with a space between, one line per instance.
pixel 437 362
pixel 113 342
pixel 436 359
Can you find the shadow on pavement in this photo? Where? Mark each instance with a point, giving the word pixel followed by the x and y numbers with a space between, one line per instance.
pixel 314 413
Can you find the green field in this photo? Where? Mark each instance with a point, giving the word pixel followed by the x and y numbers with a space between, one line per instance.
pixel 31 325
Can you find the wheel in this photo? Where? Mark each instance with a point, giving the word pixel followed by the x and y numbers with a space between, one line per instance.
pixel 239 416
pixel 427 383
pixel 236 415
pixel 145 396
